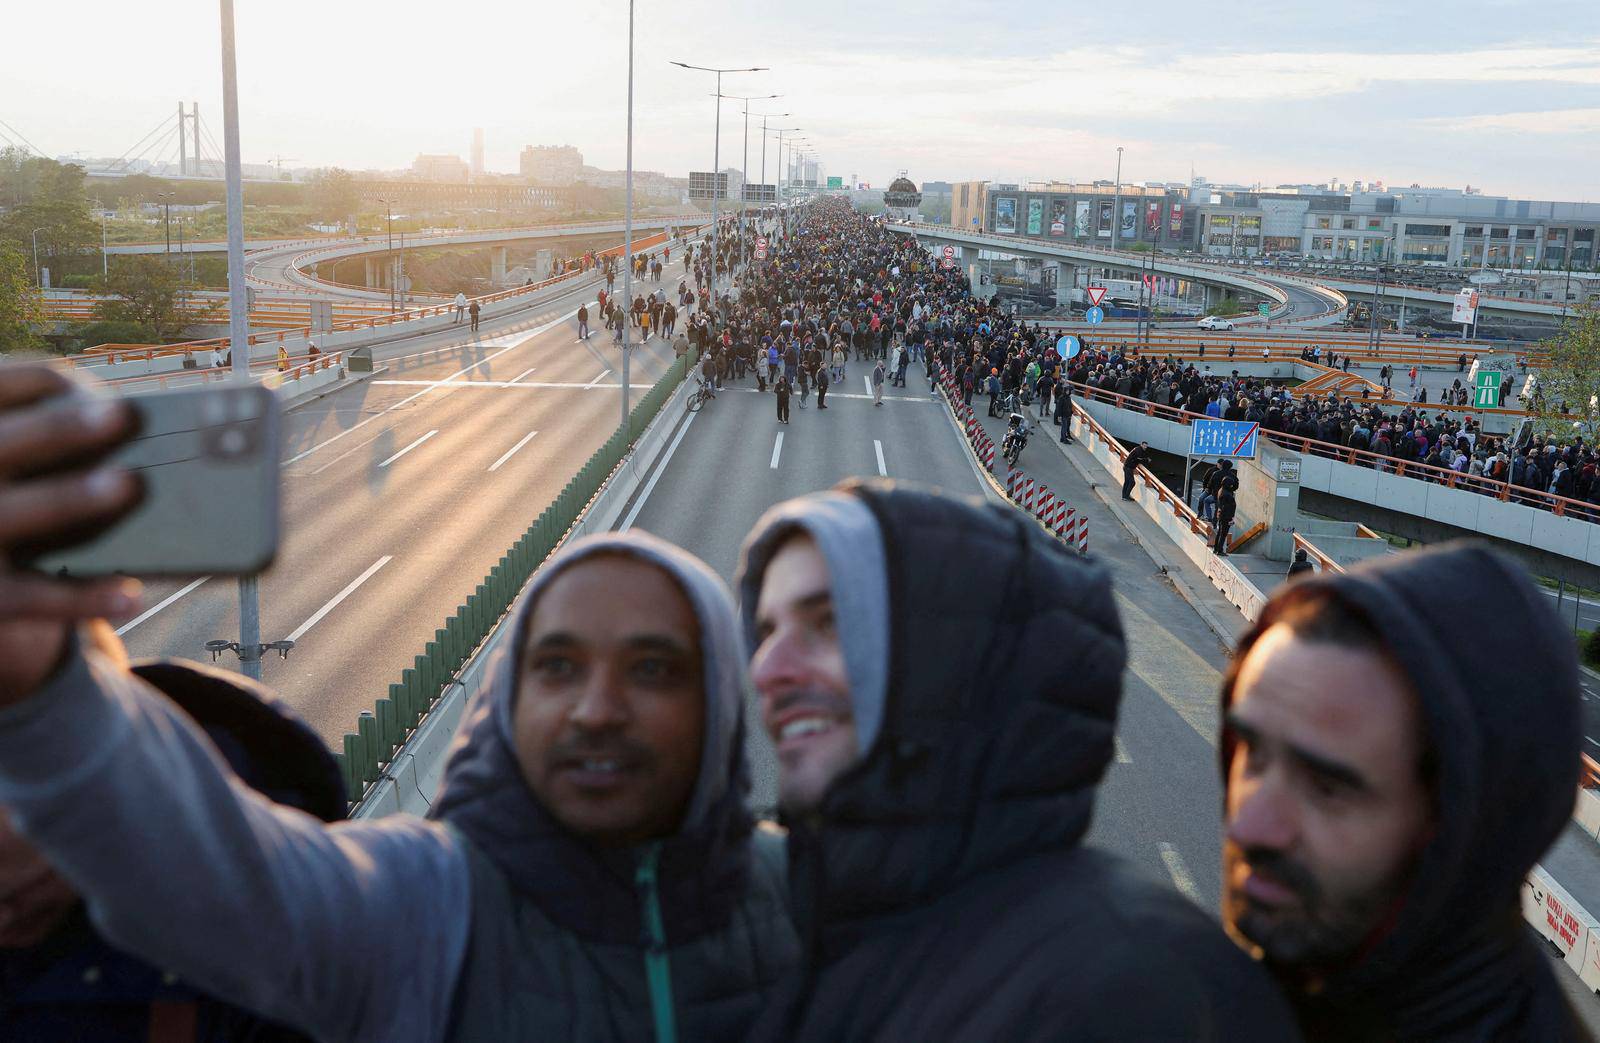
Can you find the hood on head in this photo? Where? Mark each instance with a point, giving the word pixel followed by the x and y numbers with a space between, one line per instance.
pixel 1497 680
pixel 483 791
pixel 1002 660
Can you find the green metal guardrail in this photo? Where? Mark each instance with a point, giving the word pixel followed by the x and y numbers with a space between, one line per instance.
pixel 381 731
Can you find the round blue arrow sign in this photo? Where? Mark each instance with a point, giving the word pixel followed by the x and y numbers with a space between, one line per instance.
pixel 1094 316
pixel 1068 347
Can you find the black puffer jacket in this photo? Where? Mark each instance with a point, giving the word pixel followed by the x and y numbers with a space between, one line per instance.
pixel 942 890
pixel 1498 680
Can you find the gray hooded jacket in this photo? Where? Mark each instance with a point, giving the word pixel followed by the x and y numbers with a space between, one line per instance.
pixel 490 923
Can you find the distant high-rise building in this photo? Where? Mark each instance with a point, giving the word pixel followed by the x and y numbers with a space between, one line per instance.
pixel 439 168
pixel 551 164
pixel 477 151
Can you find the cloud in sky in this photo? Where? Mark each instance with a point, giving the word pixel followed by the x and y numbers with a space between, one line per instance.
pixel 982 90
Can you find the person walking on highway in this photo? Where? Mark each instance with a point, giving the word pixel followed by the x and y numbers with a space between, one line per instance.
pixel 591 820
pixel 937 853
pixel 460 303
pixel 475 310
pixel 283 358
pixel 780 388
pixel 822 387
pixel 583 322
pixel 1385 801
pixel 1138 456
pixel 877 382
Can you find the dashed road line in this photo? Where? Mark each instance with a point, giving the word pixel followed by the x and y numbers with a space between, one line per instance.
pixel 316 617
pixel 408 448
pixel 512 451
pixel 777 450
pixel 878 447
pixel 168 600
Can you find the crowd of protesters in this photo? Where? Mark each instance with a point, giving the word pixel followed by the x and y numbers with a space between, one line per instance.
pixel 940 679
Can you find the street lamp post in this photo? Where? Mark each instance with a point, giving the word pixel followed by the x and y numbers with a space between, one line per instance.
pixel 764 117
pixel 388 210
pixel 1116 206
pixel 38 273
pixel 167 206
pixel 744 190
pixel 627 233
pixel 716 154
pixel 105 265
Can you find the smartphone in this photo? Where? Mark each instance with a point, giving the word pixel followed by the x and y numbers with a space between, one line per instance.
pixel 209 460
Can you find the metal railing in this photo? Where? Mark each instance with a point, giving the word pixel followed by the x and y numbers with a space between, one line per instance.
pixel 1500 489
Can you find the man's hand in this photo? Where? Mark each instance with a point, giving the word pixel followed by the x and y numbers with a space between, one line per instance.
pixel 54 431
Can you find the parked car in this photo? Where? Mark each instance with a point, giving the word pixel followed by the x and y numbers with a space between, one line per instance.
pixel 1215 322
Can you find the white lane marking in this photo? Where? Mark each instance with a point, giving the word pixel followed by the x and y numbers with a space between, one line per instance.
pixel 1122 752
pixel 661 469
pixel 524 373
pixel 777 450
pixel 316 617
pixel 431 385
pixel 882 470
pixel 169 599
pixel 866 382
pixel 1179 872
pixel 509 452
pixel 598 378
pixel 408 448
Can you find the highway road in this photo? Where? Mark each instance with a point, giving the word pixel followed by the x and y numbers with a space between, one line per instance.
pixel 400 493
pixel 1159 807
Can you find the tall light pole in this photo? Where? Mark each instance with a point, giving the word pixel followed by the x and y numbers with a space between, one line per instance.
pixel 627 233
pixel 238 312
pixel 388 210
pixel 781 131
pixel 38 273
pixel 764 117
pixel 744 175
pixel 105 265
pixel 167 206
pixel 716 154
pixel 1116 206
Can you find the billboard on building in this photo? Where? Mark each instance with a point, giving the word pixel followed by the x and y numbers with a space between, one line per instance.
pixel 1107 215
pixel 1130 220
pixel 1152 220
pixel 1175 220
pixel 700 185
pixel 1035 216
pixel 1080 220
pixel 1005 215
pixel 1058 217
pixel 1465 306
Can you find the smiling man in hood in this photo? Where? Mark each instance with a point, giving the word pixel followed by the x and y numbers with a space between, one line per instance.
pixel 590 871
pixel 941 680
pixel 1400 747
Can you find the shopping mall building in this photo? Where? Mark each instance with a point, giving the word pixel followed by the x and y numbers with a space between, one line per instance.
pixel 1416 225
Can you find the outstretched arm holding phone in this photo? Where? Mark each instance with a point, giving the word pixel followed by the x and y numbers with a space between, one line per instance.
pixel 177 860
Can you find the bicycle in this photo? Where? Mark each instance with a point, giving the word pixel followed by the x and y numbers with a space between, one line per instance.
pixel 699 396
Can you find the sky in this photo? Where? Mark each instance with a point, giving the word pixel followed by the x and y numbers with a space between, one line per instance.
pixel 1499 94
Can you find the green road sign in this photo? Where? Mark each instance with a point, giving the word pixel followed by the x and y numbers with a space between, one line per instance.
pixel 1264 309
pixel 1486 392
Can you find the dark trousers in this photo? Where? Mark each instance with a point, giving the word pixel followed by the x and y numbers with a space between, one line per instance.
pixel 1128 477
pixel 822 395
pixel 1223 524
pixel 474 322
pixel 783 408
pixel 994 403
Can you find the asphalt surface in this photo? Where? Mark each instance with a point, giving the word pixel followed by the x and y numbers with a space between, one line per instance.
pixel 1159 806
pixel 401 492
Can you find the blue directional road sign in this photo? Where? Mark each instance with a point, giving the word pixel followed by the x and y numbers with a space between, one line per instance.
pixel 1068 347
pixel 1223 438
pixel 1094 316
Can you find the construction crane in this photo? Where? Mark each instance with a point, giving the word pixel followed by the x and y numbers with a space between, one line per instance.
pixel 279 161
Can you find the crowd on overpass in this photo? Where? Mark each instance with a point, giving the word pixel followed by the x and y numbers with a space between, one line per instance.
pixel 941 679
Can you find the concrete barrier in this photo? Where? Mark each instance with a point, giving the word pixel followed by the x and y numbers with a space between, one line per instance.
pixel 1223 574
pixel 409 783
